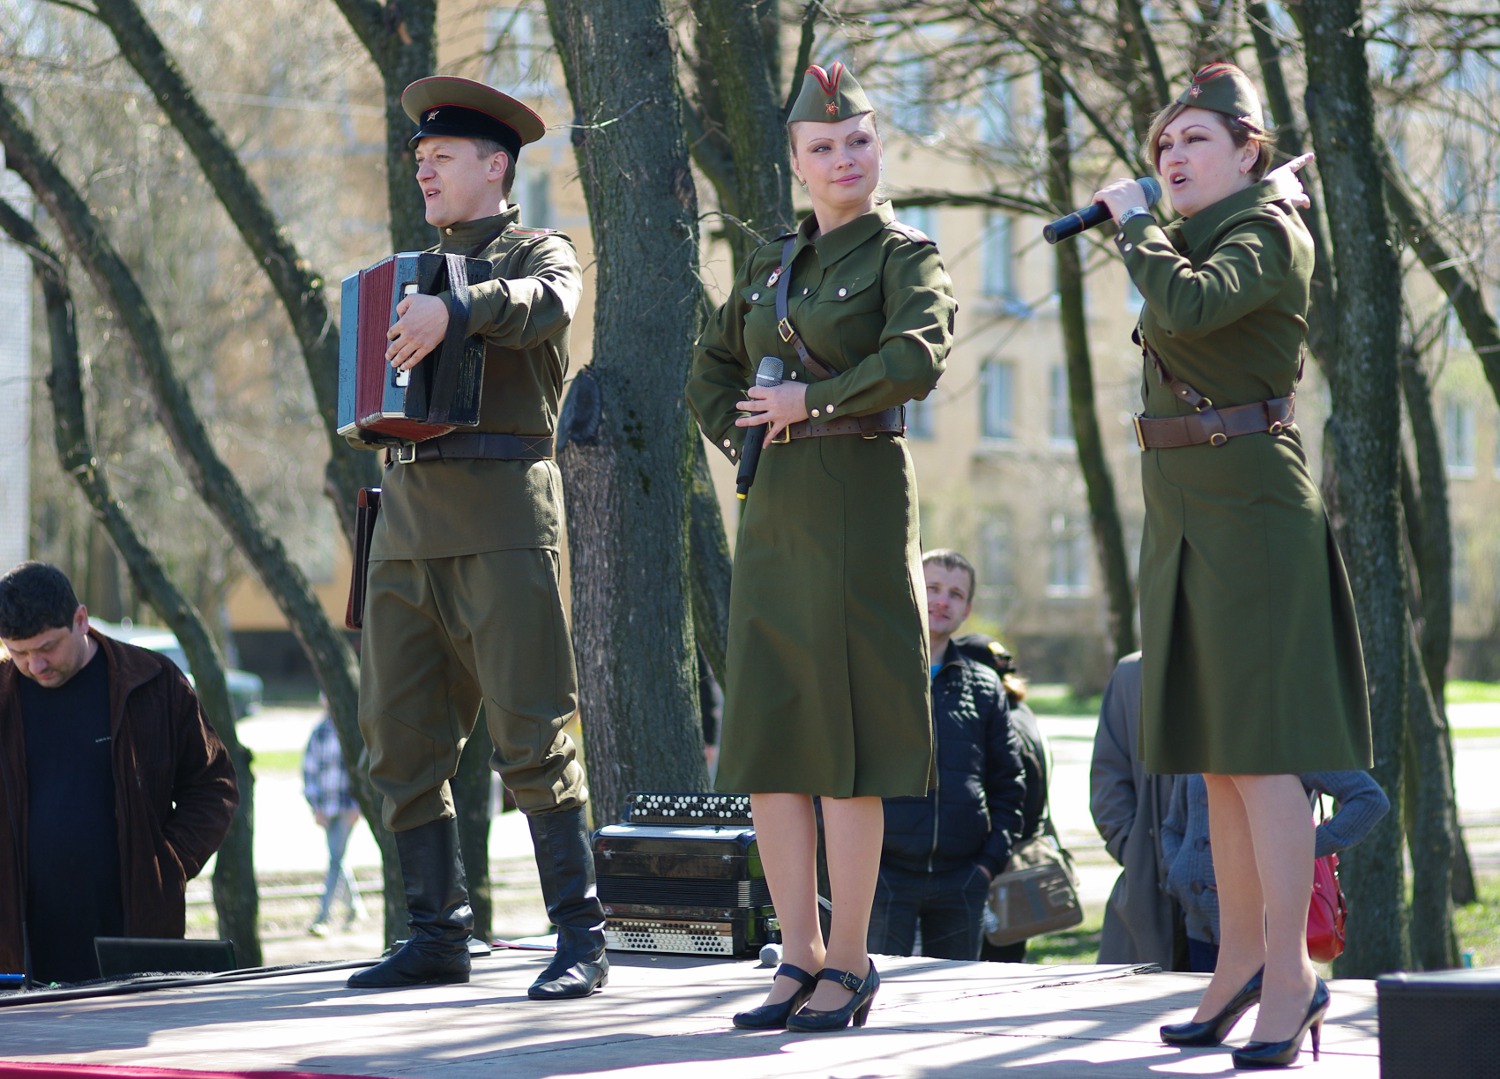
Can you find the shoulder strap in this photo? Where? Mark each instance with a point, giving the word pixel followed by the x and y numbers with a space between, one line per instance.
pixel 450 360
pixel 784 325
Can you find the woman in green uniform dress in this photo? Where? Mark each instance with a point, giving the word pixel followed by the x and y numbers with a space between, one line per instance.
pixel 1251 667
pixel 826 687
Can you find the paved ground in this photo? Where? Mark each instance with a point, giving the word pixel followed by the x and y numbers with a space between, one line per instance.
pixel 667 1017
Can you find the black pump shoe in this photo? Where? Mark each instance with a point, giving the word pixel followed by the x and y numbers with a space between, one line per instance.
pixel 857 1010
pixel 1281 1054
pixel 1215 1029
pixel 774 1016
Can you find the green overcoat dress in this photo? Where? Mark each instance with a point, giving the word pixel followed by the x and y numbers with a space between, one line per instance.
pixel 1251 656
pixel 826 691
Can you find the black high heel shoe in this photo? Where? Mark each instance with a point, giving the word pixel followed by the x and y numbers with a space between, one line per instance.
pixel 1215 1029
pixel 858 1008
pixel 774 1016
pixel 1280 1054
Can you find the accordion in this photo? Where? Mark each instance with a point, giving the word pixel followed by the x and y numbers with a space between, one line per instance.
pixel 688 881
pixel 441 393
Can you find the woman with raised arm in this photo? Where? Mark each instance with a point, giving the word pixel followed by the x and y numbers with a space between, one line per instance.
pixel 1252 670
pixel 826 688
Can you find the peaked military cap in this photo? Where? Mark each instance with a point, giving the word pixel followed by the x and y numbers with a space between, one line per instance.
pixel 828 96
pixel 1224 88
pixel 463 108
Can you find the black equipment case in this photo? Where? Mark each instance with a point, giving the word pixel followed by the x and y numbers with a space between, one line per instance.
pixel 684 876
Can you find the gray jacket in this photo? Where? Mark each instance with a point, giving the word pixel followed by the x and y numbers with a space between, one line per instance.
pixel 1190 864
pixel 1128 807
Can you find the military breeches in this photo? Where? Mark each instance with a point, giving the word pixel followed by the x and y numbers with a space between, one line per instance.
pixel 444 637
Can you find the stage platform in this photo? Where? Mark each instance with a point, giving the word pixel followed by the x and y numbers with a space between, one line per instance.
pixel 665 1017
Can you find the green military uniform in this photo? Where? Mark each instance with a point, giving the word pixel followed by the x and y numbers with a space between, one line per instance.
pixel 1251 654
pixel 827 681
pixel 463 607
pixel 463 601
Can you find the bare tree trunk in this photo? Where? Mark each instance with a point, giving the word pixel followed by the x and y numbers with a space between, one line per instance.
pixel 1104 510
pixel 235 898
pixel 627 456
pixel 1366 426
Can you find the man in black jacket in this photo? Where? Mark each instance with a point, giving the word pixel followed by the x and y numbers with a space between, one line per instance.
pixel 941 851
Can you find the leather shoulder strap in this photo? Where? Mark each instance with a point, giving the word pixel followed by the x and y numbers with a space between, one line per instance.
pixel 784 325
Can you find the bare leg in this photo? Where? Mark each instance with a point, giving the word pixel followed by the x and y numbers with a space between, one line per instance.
pixel 786 832
pixel 1281 826
pixel 854 829
pixel 1242 913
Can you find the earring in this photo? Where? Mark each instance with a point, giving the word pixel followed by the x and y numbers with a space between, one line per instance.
pixel 800 180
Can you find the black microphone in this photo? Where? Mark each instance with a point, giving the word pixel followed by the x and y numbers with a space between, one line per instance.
pixel 1095 213
pixel 768 375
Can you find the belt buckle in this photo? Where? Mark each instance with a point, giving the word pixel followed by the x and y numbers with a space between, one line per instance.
pixel 784 437
pixel 406 453
pixel 1140 438
pixel 784 328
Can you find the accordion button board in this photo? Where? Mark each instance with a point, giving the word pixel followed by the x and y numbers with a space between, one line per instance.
pixel 683 875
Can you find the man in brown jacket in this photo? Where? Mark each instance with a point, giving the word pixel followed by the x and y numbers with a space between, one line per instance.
pixel 116 789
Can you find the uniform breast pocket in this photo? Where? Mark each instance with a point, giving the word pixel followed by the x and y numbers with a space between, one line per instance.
pixel 856 305
pixel 759 302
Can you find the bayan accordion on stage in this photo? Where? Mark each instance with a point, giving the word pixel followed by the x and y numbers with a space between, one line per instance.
pixel 684 875
pixel 442 391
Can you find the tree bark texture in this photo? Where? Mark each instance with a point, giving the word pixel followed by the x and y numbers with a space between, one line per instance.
pixel 1104 510
pixel 626 435
pixel 1431 824
pixel 736 79
pixel 1366 425
pixel 236 900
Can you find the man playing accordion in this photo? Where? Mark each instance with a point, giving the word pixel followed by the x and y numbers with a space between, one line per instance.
pixel 462 606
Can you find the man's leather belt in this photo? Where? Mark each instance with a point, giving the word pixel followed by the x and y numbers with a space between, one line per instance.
pixel 890 421
pixel 1215 426
pixel 472 446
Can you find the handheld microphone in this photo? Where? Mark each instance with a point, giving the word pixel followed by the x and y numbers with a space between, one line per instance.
pixel 768 375
pixel 1095 213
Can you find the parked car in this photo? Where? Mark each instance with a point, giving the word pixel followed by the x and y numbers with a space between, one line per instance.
pixel 245 688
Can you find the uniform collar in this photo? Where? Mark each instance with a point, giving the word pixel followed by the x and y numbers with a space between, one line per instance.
pixel 834 245
pixel 1200 228
pixel 473 236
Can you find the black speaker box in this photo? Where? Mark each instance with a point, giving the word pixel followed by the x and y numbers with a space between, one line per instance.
pixel 1443 1023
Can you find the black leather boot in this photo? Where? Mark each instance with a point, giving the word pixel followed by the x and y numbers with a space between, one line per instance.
pixel 437 913
pixel 565 863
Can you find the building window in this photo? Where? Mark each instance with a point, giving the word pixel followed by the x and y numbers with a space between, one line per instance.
pixel 922 218
pixel 535 197
pixel 911 108
pixel 998 257
pixel 1070 552
pixel 1059 412
pixel 919 417
pixel 995 564
pixel 997 397
pixel 1458 437
pixel 994 113
pixel 517 48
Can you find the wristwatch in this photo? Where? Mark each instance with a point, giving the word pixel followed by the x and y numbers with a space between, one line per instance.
pixel 1134 211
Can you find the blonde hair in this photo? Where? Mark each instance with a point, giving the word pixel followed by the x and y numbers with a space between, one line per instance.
pixel 1241 134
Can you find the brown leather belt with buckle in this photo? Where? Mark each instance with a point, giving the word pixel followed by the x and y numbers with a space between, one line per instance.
pixel 1215 426
pixel 472 446
pixel 889 421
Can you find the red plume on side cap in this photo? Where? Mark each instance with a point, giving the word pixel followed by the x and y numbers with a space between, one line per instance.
pixel 1213 71
pixel 828 80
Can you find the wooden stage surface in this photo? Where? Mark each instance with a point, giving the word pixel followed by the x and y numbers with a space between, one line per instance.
pixel 667 1017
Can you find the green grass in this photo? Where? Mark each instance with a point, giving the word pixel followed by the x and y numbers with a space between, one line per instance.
pixel 1477 925
pixel 1472 693
pixel 1047 699
pixel 277 760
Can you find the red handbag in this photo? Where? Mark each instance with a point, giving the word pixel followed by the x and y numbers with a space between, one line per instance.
pixel 1327 911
